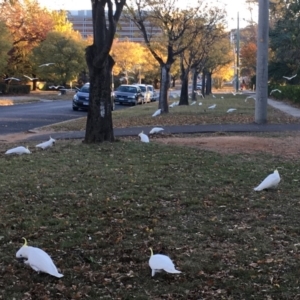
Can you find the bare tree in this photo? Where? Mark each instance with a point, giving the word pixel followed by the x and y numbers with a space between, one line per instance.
pixel 170 40
pixel 106 14
pixel 209 30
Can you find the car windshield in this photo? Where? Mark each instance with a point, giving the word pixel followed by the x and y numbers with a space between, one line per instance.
pixel 85 88
pixel 127 89
pixel 150 88
pixel 143 88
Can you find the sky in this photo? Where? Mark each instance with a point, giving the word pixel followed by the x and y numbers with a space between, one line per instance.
pixel 232 7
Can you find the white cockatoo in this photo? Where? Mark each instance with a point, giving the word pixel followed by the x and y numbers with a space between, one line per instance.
pixel 212 106
pixel 38 260
pixel 144 137
pixel 289 78
pixel 46 144
pixel 271 181
pixel 193 103
pixel 18 150
pixel 158 112
pixel 156 130
pixel 160 262
pixel 231 110
pixel 275 90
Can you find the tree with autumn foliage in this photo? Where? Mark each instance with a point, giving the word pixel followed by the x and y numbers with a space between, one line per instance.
pixel 132 60
pixel 5 44
pixel 67 55
pixel 248 53
pixel 28 25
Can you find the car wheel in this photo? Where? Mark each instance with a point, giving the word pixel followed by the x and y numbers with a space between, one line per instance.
pixel 75 108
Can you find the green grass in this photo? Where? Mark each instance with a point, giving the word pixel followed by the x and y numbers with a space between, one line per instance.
pixel 198 207
pixel 141 115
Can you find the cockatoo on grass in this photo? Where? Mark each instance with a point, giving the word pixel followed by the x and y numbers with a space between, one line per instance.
pixel 38 260
pixel 156 130
pixel 158 112
pixel 47 144
pixel 18 150
pixel 160 262
pixel 200 103
pixel 144 137
pixel 193 103
pixel 212 106
pixel 231 110
pixel 271 181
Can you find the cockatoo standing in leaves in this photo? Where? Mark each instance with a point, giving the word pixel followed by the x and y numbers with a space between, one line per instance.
pixel 160 262
pixel 271 181
pixel 47 144
pixel 212 106
pixel 158 112
pixel 18 150
pixel 144 137
pixel 38 260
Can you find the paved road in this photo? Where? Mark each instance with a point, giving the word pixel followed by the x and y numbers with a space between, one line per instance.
pixel 24 117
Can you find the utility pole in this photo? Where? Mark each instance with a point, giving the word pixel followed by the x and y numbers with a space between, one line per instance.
pixel 262 63
pixel 237 53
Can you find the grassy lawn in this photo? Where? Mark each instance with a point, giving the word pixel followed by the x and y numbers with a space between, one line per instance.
pixel 187 115
pixel 96 209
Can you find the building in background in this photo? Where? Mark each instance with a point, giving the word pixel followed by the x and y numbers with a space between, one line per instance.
pixel 83 22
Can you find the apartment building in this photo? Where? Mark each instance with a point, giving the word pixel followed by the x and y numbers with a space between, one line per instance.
pixel 82 21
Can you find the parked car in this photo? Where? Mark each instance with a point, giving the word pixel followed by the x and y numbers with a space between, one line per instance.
pixel 128 94
pixel 153 93
pixel 145 91
pixel 82 97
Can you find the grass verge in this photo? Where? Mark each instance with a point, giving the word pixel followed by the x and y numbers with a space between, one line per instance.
pixel 96 209
pixel 186 115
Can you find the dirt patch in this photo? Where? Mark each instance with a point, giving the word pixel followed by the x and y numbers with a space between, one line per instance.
pixel 288 147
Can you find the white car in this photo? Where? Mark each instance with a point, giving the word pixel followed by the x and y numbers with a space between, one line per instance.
pixel 145 91
pixel 153 93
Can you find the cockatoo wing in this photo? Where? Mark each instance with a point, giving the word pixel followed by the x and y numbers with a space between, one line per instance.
pixel 18 150
pixel 270 181
pixel 40 261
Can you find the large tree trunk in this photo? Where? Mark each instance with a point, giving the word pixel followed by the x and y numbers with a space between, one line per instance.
pixel 194 83
pixel 184 95
pixel 208 83
pixel 99 126
pixel 203 83
pixel 164 88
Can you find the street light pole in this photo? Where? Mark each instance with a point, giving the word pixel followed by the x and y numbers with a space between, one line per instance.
pixel 237 53
pixel 262 63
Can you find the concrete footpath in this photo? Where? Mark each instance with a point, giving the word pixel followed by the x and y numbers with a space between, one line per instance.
pixel 192 129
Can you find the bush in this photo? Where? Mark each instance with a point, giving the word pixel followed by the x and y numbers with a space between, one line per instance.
pixel 2 88
pixel 288 92
pixel 17 89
